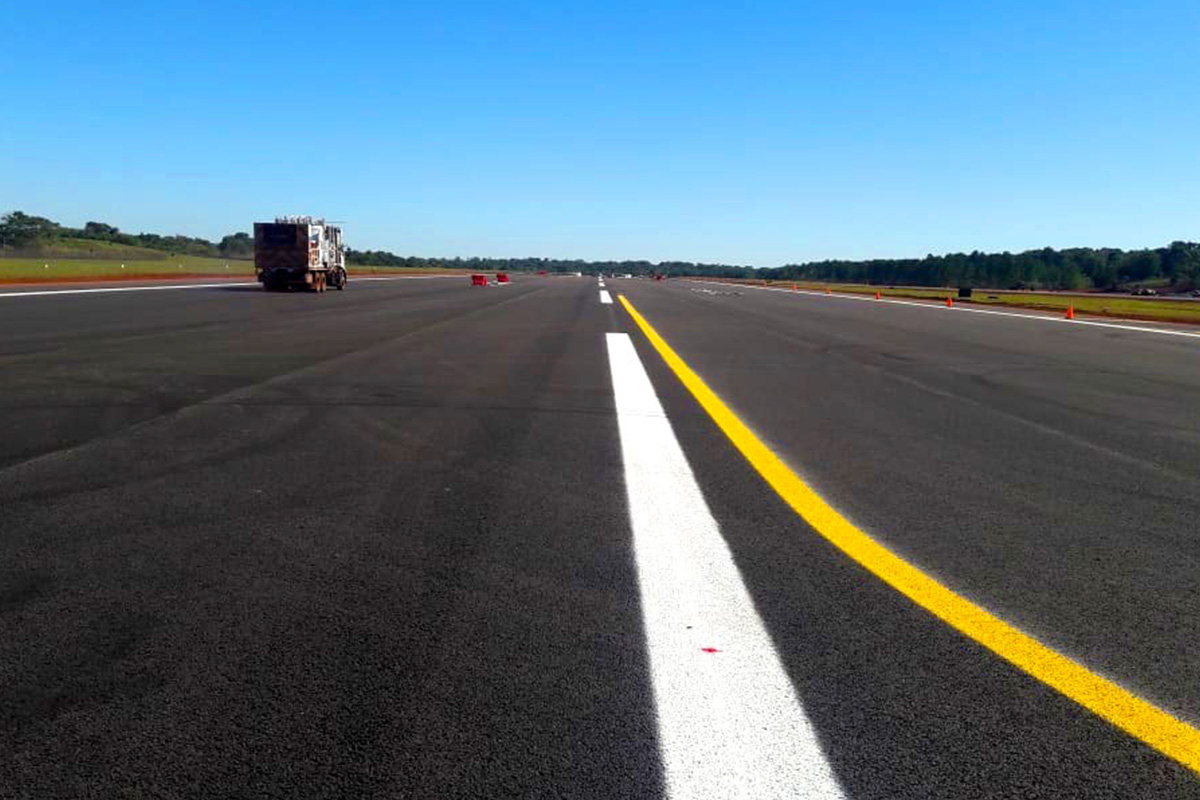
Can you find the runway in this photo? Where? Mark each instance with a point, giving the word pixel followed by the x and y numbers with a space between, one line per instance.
pixel 423 539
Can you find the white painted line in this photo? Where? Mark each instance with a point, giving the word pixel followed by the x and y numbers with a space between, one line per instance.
pixel 110 289
pixel 403 277
pixel 729 721
pixel 605 298
pixel 936 306
pixel 168 287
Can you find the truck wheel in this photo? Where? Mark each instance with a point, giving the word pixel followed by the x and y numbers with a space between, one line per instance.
pixel 340 280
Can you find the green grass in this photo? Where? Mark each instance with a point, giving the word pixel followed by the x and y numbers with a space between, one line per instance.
pixel 1101 305
pixel 55 269
pixel 1105 305
pixel 93 249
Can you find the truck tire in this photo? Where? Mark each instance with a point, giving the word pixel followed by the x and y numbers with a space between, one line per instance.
pixel 339 279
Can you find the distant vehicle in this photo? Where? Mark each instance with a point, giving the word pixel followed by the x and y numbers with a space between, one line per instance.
pixel 501 277
pixel 627 275
pixel 479 280
pixel 301 252
pixel 1143 291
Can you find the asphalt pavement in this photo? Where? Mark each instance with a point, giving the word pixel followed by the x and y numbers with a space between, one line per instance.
pixel 401 541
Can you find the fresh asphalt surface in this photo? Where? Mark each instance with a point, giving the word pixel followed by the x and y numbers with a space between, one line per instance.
pixel 376 543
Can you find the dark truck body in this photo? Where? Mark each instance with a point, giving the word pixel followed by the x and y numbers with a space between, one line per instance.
pixel 299 252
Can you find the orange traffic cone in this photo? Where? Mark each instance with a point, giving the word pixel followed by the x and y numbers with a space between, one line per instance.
pixel 1070 312
pixel 827 291
pixel 878 296
pixel 795 287
pixel 949 302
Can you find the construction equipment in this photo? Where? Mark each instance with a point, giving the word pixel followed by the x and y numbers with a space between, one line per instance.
pixel 300 252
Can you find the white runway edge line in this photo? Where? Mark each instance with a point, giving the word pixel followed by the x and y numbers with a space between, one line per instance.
pixel 353 279
pixel 605 298
pixel 111 289
pixel 730 723
pixel 222 284
pixel 938 307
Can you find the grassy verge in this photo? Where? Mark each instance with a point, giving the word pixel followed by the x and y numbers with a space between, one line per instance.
pixel 90 249
pixel 1100 305
pixel 84 269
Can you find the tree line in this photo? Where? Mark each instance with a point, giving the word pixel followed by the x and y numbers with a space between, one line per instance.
pixel 1074 268
pixel 1047 268
pixel 382 258
pixel 23 233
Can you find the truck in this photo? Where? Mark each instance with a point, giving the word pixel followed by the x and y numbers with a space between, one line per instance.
pixel 299 252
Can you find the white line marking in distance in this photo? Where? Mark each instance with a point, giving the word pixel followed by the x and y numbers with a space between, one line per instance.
pixel 403 277
pixel 111 289
pixel 605 298
pixel 1040 317
pixel 730 722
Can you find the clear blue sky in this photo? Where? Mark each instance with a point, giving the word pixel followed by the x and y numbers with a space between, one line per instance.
pixel 751 133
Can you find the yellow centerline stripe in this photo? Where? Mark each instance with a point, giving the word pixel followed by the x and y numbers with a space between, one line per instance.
pixel 1135 716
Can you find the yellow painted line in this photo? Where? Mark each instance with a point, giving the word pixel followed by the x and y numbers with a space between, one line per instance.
pixel 1135 716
